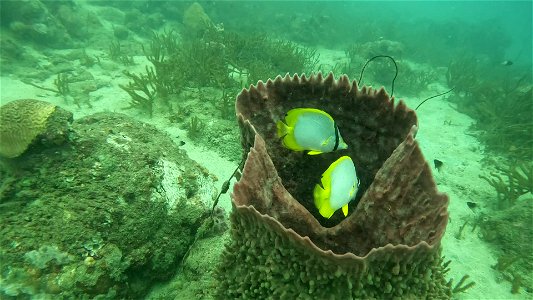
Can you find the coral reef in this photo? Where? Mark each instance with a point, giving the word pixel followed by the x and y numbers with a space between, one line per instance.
pixel 378 47
pixel 142 91
pixel 104 216
pixel 195 19
pixel 509 230
pixel 412 77
pixel 499 102
pixel 518 182
pixel 57 24
pixel 25 121
pixel 389 244
pixel 213 60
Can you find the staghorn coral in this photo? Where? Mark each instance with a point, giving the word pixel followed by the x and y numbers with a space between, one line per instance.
pixel 499 102
pixel 388 246
pixel 516 180
pixel 24 121
pixel 509 230
pixel 142 90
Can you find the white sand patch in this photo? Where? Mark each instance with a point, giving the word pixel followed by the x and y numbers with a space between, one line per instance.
pixel 111 98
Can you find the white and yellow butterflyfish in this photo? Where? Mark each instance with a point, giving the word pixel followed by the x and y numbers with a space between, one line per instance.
pixel 310 129
pixel 338 187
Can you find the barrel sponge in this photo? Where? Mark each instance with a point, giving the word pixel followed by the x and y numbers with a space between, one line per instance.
pixel 22 121
pixel 281 248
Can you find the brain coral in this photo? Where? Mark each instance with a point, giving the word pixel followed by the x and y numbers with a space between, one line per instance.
pixel 22 121
pixel 281 248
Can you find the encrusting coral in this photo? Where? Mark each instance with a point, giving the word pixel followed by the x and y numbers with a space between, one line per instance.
pixel 281 248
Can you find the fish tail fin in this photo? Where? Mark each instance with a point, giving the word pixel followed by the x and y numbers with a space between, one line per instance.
pixel 286 134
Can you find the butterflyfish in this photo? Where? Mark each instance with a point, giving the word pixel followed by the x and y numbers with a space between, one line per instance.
pixel 338 187
pixel 310 129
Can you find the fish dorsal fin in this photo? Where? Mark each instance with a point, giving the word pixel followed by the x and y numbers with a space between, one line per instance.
pixel 319 196
pixel 292 115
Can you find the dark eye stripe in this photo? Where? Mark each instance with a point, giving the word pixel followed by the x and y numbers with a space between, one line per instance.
pixel 336 136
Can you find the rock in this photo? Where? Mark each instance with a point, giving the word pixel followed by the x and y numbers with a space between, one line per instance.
pixel 121 201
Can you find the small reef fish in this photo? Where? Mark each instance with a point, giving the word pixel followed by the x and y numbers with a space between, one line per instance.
pixel 438 164
pixel 338 187
pixel 507 63
pixel 310 129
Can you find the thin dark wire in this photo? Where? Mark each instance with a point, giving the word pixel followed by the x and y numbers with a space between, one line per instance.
pixel 226 184
pixel 378 56
pixel 434 97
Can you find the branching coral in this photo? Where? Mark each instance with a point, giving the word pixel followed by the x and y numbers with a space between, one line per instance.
pixel 195 128
pixel 514 181
pixel 116 54
pixel 210 61
pixel 500 103
pixel 461 286
pixel 461 74
pixel 142 91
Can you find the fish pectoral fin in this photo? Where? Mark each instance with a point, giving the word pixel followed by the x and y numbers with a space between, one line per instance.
pixel 326 211
pixel 322 202
pixel 318 195
pixel 283 130
pixel 286 134
pixel 313 152
pixel 345 210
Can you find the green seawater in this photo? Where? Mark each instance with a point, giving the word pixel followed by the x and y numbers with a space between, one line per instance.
pixel 120 188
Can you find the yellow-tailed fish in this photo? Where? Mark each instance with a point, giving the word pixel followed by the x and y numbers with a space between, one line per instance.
pixel 310 129
pixel 338 187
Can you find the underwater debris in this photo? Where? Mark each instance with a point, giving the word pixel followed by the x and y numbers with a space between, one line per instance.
pixel 434 96
pixel 395 70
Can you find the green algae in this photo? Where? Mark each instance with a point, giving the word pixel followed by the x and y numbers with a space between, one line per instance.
pixel 93 218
